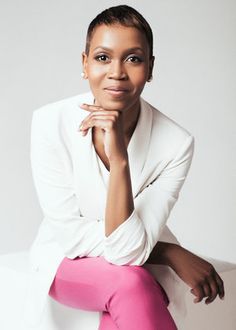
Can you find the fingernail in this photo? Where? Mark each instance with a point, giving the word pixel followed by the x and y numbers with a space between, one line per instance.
pixel 80 129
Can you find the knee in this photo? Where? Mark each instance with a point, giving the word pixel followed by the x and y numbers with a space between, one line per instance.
pixel 134 277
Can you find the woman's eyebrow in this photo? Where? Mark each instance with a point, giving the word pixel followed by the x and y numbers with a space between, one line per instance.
pixel 128 50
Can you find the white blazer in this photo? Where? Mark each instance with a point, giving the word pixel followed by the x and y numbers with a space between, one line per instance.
pixel 72 195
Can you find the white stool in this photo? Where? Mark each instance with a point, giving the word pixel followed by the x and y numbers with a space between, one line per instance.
pixel 13 283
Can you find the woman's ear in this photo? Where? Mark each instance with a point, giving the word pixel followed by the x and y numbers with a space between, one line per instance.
pixel 84 74
pixel 151 65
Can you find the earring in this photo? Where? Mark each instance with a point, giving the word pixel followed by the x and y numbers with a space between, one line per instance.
pixel 150 78
pixel 83 75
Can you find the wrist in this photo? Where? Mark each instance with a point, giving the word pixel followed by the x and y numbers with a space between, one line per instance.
pixel 163 253
pixel 170 254
pixel 120 162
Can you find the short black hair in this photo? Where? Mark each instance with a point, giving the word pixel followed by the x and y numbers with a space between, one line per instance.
pixel 122 15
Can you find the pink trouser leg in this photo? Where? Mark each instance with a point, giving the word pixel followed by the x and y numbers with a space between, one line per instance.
pixel 107 323
pixel 129 296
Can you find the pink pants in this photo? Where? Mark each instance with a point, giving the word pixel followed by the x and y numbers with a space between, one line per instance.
pixel 129 297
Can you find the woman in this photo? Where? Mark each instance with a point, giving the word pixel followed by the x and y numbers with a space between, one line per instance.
pixel 107 190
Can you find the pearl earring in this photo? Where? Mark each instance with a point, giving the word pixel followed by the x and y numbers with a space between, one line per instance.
pixel 83 75
pixel 150 78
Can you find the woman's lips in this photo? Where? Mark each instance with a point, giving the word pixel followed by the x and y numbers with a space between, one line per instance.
pixel 116 91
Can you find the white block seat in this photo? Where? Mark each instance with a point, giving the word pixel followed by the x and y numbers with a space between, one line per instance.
pixel 13 284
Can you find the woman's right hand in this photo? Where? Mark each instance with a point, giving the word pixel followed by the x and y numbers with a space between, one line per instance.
pixel 196 272
pixel 111 123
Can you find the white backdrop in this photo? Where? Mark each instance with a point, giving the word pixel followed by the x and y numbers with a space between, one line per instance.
pixel 194 84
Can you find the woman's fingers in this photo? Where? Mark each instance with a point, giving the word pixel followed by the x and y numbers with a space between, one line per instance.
pixel 213 286
pixel 214 291
pixel 90 107
pixel 96 108
pixel 107 118
pixel 98 121
pixel 217 287
pixel 220 284
pixel 207 290
pixel 198 292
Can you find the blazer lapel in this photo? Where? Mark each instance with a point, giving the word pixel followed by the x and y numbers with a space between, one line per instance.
pixel 138 146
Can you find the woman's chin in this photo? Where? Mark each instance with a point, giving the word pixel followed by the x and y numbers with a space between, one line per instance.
pixel 112 104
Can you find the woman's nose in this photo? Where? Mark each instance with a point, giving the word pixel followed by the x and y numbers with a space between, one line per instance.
pixel 117 71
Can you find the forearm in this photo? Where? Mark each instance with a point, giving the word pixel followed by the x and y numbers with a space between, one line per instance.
pixel 119 205
pixel 163 253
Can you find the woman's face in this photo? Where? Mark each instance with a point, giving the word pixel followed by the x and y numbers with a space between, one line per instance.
pixel 117 66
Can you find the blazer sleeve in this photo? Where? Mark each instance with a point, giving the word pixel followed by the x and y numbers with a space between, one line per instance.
pixel 52 176
pixel 132 242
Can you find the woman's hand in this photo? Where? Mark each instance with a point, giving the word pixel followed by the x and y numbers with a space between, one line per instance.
pixel 111 123
pixel 199 274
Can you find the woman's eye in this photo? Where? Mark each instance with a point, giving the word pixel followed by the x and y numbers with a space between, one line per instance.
pixel 101 58
pixel 134 59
